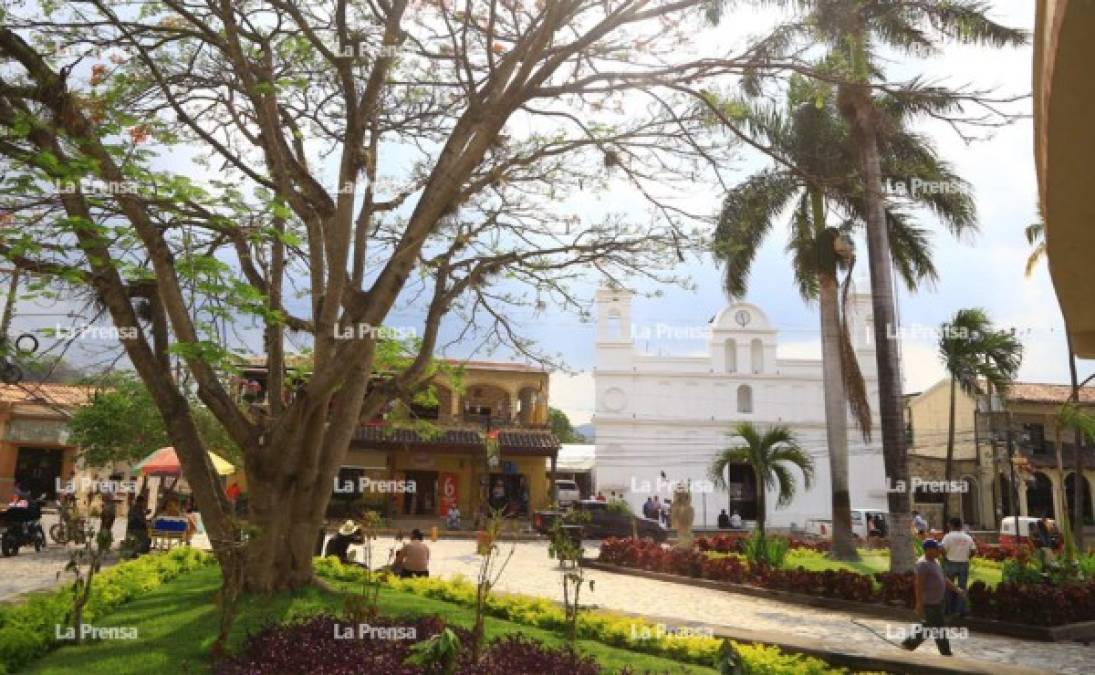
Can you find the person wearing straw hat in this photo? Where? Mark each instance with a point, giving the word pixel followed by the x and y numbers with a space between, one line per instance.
pixel 339 545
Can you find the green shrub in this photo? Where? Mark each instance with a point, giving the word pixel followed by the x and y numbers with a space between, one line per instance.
pixel 619 630
pixel 765 550
pixel 28 629
pixel 756 659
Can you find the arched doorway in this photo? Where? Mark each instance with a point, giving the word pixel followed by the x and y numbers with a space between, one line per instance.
pixel 1040 496
pixel 1070 492
pixel 741 490
pixel 970 503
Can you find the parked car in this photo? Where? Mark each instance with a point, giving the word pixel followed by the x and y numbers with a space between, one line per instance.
pixel 1028 531
pixel 602 521
pixel 567 491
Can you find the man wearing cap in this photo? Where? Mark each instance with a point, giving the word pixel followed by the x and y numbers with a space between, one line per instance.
pixel 931 585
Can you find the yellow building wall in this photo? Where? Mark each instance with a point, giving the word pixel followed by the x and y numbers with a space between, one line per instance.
pixel 930 413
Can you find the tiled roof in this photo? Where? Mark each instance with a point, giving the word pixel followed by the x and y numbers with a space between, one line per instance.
pixel 389 438
pixel 1034 392
pixel 510 442
pixel 61 395
pixel 528 442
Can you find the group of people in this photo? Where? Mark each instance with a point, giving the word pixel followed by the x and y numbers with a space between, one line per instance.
pixel 411 560
pixel 730 522
pixel 653 509
pixel 941 589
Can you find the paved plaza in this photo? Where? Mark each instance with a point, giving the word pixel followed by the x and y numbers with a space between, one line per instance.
pixel 37 570
pixel 531 572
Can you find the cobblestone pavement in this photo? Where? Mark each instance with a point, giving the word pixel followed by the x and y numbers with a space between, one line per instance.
pixel 531 572
pixel 35 571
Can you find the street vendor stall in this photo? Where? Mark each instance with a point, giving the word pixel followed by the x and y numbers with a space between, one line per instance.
pixel 170 524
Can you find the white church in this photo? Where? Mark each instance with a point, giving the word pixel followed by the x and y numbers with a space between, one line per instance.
pixel 669 415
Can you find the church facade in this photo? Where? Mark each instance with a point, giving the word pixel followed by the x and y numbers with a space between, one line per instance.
pixel 661 419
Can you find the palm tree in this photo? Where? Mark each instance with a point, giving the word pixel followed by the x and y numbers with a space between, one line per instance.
pixel 816 169
pixel 973 351
pixel 1036 237
pixel 855 31
pixel 771 454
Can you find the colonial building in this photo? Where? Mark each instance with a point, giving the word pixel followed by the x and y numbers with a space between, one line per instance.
pixel 667 416
pixel 34 437
pixel 1027 414
pixel 486 449
pixel 927 420
pixel 1028 411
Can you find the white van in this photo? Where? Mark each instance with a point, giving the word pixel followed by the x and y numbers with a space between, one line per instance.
pixel 567 491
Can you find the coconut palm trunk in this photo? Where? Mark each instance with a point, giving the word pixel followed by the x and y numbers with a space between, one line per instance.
pixel 762 502
pixel 948 465
pixel 836 416
pixel 859 110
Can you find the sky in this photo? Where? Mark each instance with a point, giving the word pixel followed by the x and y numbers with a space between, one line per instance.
pixel 985 271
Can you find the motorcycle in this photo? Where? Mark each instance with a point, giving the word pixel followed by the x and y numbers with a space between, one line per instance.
pixel 22 526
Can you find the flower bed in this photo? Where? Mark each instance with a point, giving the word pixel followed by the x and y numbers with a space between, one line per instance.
pixel 735 543
pixel 311 646
pixel 1032 604
pixel 27 629
pixel 609 628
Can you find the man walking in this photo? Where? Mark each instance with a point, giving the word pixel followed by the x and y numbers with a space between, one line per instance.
pixel 958 545
pixel 931 585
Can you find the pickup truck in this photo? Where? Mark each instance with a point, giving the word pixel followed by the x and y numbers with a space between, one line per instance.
pixel 603 522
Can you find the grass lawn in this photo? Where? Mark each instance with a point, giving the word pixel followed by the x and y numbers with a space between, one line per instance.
pixel 177 624
pixel 872 561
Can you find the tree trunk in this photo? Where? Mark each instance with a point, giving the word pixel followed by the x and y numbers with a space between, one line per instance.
pixel 762 502
pixel 949 463
pixel 1079 495
pixel 858 108
pixel 836 418
pixel 279 553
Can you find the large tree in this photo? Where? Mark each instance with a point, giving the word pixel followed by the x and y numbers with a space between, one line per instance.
pixel 857 36
pixel 355 154
pixel 816 169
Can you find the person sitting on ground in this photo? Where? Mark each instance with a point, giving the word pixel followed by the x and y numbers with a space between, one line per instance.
pixel 413 560
pixel 735 521
pixel 339 545
pixel 931 584
pixel 724 520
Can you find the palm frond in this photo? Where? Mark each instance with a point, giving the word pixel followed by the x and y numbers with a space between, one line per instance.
pixel 746 217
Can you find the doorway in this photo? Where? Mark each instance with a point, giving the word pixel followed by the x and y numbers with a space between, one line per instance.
pixel 38 470
pixel 423 501
pixel 509 494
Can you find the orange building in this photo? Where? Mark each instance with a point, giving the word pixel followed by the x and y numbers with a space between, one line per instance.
pixel 34 446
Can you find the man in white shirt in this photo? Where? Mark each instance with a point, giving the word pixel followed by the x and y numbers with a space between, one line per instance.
pixel 735 521
pixel 958 546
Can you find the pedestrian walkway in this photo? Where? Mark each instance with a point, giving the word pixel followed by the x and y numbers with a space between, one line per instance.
pixel 531 572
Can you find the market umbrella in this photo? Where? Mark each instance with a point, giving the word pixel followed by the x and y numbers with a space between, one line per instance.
pixel 164 462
